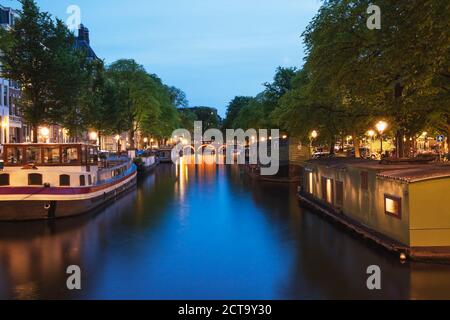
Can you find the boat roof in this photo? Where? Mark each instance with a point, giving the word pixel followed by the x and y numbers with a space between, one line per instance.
pixel 406 172
pixel 48 144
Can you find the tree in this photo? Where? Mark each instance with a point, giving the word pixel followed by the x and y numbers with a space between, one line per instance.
pixel 233 109
pixel 178 97
pixel 100 106
pixel 38 54
pixel 136 96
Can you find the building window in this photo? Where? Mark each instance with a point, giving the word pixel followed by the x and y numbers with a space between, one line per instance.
pixel 327 190
pixel 4 179
pixel 339 193
pixel 82 180
pixel 393 206
pixel 64 180
pixel 35 179
pixel 5 96
pixel 364 180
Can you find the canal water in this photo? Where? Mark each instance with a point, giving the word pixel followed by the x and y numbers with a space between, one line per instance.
pixel 204 232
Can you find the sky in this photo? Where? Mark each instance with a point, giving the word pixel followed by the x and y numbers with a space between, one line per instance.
pixel 213 50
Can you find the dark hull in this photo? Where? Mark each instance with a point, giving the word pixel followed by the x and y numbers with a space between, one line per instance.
pixel 41 210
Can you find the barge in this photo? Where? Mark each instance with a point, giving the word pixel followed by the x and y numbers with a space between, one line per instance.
pixel 403 207
pixel 48 181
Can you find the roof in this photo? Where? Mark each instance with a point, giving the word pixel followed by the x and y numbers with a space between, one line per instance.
pixel 406 172
pixel 84 46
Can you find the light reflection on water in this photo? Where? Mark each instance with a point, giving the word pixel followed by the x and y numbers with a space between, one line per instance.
pixel 204 232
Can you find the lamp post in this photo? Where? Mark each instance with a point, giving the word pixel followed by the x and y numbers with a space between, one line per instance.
pixel 381 127
pixel 314 135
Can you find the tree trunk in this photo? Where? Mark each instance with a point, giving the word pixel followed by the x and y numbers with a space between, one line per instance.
pixel 332 145
pixel 99 140
pixel 356 144
pixel 400 152
pixel 35 133
pixel 131 140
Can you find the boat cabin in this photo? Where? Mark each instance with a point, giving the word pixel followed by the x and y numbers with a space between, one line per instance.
pixel 50 155
pixel 52 165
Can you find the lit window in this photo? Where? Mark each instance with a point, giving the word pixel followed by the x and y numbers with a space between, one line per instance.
pixel 311 188
pixel 393 206
pixel 327 190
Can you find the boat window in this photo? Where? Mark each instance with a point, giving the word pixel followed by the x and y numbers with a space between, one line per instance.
pixel 364 180
pixel 14 155
pixel 393 206
pixel 4 179
pixel 51 155
pixel 35 179
pixel 339 193
pixel 89 179
pixel 327 190
pixel 82 180
pixel 69 155
pixel 33 155
pixel 84 154
pixel 310 181
pixel 64 180
pixel 92 155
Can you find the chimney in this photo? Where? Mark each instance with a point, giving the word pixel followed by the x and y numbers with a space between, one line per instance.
pixel 83 33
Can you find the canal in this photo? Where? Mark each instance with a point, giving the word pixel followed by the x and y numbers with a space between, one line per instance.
pixel 204 232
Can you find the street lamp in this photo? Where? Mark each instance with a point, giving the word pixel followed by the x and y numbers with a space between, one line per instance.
pixel 44 132
pixel 93 136
pixel 314 135
pixel 381 127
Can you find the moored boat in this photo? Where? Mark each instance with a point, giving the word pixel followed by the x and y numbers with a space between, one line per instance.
pixel 46 181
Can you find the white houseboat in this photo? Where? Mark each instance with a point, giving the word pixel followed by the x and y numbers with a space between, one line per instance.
pixel 46 181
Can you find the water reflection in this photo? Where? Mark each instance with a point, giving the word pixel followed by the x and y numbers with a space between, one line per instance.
pixel 196 232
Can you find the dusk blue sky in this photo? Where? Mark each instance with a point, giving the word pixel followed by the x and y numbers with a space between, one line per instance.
pixel 211 49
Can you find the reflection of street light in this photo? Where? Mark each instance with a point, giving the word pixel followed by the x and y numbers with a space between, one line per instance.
pixel 381 127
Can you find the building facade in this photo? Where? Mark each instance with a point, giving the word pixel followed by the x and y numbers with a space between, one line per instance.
pixel 12 128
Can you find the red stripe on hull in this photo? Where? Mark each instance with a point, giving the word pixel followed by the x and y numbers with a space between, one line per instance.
pixel 60 190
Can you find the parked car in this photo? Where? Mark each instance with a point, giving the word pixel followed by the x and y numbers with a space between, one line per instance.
pixel 320 155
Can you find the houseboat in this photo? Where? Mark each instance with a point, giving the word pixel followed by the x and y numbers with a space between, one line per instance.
pixel 165 154
pixel 146 162
pixel 403 207
pixel 46 181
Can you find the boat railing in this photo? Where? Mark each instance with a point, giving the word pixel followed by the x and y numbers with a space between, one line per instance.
pixel 114 168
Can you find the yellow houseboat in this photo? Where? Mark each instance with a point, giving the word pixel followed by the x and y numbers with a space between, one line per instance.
pixel 45 181
pixel 403 207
